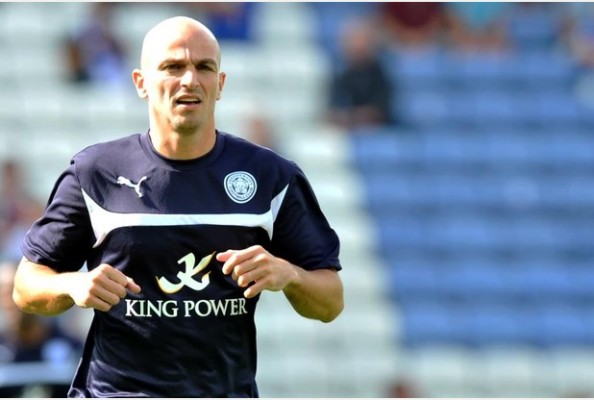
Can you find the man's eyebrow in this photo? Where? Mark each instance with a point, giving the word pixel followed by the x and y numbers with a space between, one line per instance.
pixel 170 60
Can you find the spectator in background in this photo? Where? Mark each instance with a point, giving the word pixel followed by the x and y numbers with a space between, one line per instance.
pixel 360 91
pixel 403 389
pixel 577 32
pixel 18 209
pixel 534 26
pixel 477 26
pixel 95 54
pixel 227 21
pixel 411 25
pixel 31 338
pixel 259 129
pixel 577 39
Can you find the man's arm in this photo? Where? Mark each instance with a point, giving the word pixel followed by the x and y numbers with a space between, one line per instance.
pixel 41 290
pixel 316 294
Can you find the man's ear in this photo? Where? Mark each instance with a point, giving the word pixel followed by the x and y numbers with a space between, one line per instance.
pixel 222 77
pixel 138 80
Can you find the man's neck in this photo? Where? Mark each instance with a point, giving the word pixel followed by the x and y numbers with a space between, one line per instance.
pixel 183 146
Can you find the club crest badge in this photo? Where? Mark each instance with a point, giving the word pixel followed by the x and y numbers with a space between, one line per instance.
pixel 240 186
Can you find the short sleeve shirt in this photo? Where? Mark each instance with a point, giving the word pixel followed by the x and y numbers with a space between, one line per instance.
pixel 190 332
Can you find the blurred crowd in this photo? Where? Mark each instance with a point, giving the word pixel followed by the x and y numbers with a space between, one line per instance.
pixel 95 53
pixel 26 338
pixel 359 92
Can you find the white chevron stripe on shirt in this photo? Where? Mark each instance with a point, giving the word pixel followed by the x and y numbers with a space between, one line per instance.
pixel 104 221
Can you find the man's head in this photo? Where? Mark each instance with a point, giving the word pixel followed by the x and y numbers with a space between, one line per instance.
pixel 359 41
pixel 179 76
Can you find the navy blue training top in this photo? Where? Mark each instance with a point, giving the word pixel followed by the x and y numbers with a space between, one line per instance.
pixel 190 332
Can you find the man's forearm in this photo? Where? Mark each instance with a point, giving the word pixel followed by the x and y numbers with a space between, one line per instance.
pixel 316 294
pixel 39 289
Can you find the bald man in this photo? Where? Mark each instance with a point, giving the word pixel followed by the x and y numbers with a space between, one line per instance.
pixel 181 229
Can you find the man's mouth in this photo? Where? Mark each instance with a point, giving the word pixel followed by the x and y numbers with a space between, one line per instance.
pixel 188 100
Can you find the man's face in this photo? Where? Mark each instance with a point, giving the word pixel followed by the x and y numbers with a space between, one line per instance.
pixel 180 78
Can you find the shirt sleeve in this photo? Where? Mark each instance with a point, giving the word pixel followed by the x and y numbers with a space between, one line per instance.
pixel 63 237
pixel 302 234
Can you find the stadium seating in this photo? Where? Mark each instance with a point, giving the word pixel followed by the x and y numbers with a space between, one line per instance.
pixel 482 199
pixel 482 202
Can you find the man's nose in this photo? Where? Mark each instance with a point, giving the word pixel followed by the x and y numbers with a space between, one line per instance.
pixel 189 78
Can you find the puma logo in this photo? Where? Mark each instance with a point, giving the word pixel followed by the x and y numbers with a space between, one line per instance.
pixel 136 186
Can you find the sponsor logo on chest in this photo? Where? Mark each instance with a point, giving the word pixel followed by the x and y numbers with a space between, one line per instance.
pixel 145 308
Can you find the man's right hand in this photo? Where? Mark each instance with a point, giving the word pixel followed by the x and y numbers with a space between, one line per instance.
pixel 101 288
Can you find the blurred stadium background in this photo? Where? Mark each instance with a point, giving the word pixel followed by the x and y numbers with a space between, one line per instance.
pixel 467 227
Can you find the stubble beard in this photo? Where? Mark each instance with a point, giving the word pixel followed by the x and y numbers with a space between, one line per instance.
pixel 186 126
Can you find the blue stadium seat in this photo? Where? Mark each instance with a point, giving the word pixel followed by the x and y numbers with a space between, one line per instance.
pixel 571 148
pixel 581 278
pixel 384 149
pixel 479 71
pixel 411 283
pixel 533 27
pixel 451 147
pixel 475 283
pixel 500 109
pixel 561 325
pixel 499 324
pixel 423 108
pixel 570 192
pixel 448 191
pixel 544 70
pixel 540 283
pixel 433 323
pixel 416 70
pixel 557 110
pixel 468 324
pixel 383 192
pixel 402 232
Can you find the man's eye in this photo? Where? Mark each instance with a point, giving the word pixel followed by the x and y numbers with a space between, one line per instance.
pixel 205 67
pixel 173 67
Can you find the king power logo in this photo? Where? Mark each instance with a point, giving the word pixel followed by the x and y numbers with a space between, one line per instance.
pixel 186 277
pixel 186 308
